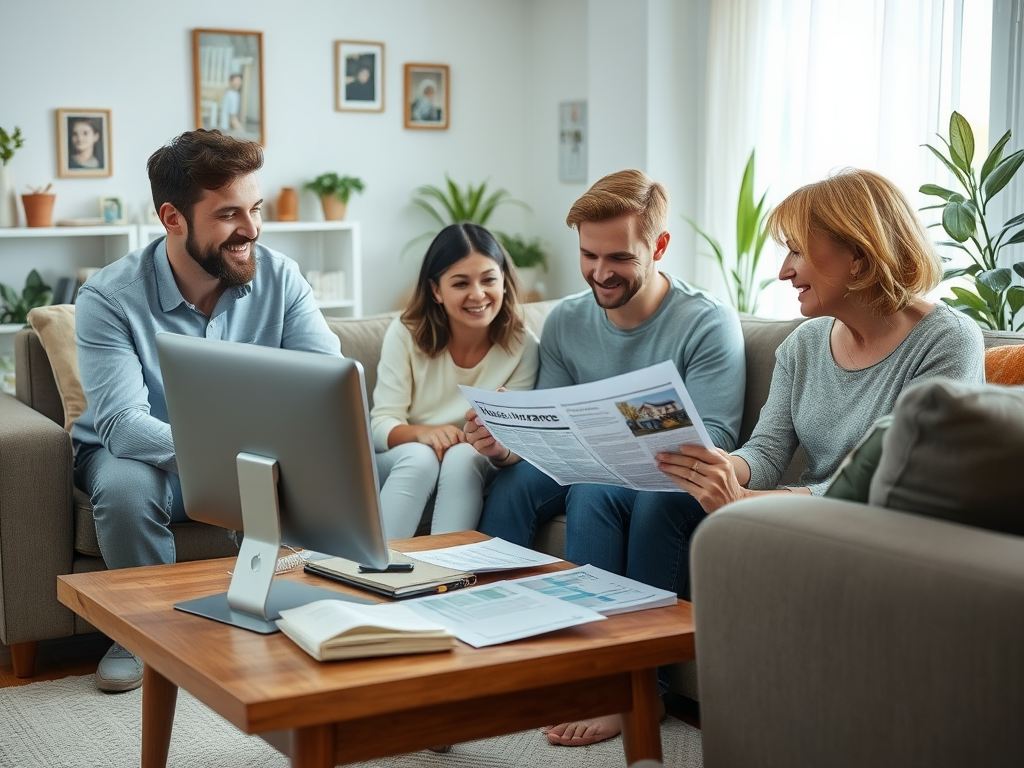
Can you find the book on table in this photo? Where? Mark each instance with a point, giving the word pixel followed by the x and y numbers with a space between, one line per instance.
pixel 330 630
pixel 424 578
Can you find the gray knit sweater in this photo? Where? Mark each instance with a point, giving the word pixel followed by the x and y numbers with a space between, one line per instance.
pixel 815 403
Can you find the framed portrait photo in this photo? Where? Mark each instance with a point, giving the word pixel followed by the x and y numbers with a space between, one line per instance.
pixel 426 96
pixel 112 210
pixel 358 76
pixel 83 143
pixel 228 70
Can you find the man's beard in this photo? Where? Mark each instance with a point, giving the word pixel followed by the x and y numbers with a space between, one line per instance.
pixel 216 265
pixel 629 290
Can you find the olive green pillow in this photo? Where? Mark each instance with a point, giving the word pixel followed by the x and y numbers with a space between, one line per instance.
pixel 852 480
pixel 954 451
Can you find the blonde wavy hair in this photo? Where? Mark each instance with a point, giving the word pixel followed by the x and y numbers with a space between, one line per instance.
pixel 629 191
pixel 868 214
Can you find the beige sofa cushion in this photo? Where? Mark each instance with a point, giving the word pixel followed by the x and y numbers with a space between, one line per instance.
pixel 954 452
pixel 56 328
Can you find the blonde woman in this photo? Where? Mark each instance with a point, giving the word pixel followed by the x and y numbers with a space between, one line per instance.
pixel 861 265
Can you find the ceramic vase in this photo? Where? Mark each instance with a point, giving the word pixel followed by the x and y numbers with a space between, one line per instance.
pixel 38 209
pixel 288 205
pixel 8 200
pixel 334 209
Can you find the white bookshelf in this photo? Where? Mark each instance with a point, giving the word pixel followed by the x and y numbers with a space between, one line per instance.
pixel 320 248
pixel 57 252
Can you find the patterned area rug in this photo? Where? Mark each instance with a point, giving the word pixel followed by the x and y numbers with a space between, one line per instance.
pixel 69 724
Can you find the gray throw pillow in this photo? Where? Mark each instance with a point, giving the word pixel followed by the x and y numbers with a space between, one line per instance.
pixel 955 451
pixel 852 480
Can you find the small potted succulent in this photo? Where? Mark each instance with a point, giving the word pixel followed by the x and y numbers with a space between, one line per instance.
pixel 38 202
pixel 334 192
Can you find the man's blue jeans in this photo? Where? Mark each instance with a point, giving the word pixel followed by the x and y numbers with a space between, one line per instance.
pixel 641 534
pixel 133 503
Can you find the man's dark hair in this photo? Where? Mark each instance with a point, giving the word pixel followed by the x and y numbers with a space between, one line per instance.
pixel 181 170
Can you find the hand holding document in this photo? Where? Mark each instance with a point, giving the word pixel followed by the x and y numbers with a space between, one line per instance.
pixel 604 432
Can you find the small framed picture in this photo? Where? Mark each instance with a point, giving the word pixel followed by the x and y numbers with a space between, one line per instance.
pixel 426 96
pixel 358 76
pixel 228 71
pixel 112 210
pixel 83 143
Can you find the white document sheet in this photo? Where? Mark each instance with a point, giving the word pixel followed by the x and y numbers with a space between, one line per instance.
pixel 484 556
pixel 604 432
pixel 500 612
pixel 601 591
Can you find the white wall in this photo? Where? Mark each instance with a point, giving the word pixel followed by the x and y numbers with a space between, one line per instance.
pixel 136 59
pixel 639 63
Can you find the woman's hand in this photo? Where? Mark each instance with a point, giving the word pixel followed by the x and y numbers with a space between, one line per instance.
pixel 707 475
pixel 439 438
pixel 483 441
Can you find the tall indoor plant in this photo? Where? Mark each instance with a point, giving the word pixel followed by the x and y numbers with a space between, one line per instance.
pixel 451 204
pixel 994 301
pixel 9 142
pixel 743 287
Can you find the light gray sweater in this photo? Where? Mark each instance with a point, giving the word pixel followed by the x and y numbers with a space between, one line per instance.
pixel 815 403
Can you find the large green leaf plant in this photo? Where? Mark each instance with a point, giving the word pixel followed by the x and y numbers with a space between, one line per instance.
pixel 451 204
pixel 743 288
pixel 991 299
pixel 16 305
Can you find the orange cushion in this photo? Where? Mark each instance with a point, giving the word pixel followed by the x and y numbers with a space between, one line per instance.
pixel 1005 365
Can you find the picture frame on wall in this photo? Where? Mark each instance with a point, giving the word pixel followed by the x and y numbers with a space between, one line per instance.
pixel 84 143
pixel 427 96
pixel 228 82
pixel 112 209
pixel 358 76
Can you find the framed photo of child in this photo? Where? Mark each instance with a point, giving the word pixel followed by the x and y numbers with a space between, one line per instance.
pixel 228 71
pixel 358 76
pixel 426 96
pixel 83 143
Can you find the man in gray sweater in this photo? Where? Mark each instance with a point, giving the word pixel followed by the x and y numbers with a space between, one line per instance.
pixel 637 317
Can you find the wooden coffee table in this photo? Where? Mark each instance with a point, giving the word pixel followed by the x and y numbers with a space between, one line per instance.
pixel 325 714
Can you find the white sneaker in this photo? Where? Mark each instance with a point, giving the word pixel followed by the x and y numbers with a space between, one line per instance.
pixel 119 670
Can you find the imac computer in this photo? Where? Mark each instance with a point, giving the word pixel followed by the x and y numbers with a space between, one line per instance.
pixel 276 444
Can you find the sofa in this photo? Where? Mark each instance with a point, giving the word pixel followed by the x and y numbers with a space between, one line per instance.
pixel 885 633
pixel 46 526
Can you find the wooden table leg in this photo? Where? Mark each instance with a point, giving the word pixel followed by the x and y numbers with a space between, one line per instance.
pixel 313 747
pixel 159 696
pixel 641 727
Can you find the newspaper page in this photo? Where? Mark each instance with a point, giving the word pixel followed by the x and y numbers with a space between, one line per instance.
pixel 606 432
pixel 500 612
pixel 601 591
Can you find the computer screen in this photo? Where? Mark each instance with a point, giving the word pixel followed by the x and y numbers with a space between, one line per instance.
pixel 274 443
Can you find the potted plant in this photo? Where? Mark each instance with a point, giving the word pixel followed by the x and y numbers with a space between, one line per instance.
pixel 743 289
pixel 528 256
pixel 451 205
pixel 334 192
pixel 994 302
pixel 38 206
pixel 16 305
pixel 8 201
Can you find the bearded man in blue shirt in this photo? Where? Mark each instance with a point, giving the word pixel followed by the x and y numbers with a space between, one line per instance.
pixel 207 277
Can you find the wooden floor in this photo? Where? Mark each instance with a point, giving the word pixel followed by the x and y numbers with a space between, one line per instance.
pixel 79 655
pixel 64 657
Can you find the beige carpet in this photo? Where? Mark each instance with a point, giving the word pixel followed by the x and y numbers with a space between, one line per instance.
pixel 69 724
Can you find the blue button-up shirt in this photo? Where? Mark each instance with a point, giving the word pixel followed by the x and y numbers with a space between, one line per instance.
pixel 121 309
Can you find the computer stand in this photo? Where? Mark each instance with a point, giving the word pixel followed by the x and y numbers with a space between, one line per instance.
pixel 254 600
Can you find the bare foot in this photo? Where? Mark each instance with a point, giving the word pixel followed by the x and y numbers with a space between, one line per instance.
pixel 583 732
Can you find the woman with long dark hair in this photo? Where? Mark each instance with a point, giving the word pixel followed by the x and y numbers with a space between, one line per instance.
pixel 462 326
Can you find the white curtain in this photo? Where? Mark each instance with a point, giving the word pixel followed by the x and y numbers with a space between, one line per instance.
pixel 819 85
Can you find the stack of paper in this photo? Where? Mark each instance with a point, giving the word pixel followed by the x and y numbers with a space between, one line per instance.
pixel 336 629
